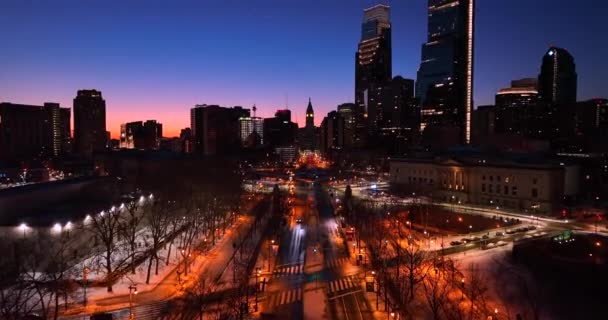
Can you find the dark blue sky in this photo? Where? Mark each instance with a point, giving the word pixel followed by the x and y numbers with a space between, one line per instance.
pixel 154 59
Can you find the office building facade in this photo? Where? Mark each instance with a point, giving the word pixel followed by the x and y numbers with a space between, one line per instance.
pixel 445 77
pixel 280 131
pixel 373 63
pixel 215 129
pixel 251 131
pixel 503 183
pixel 34 132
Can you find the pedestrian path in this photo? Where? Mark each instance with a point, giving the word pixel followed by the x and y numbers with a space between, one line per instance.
pixel 288 270
pixel 343 284
pixel 284 297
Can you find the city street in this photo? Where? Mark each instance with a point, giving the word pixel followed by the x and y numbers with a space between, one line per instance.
pixel 284 292
pixel 343 279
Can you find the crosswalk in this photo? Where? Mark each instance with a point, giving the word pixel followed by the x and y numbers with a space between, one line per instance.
pixel 284 297
pixel 288 270
pixel 343 284
pixel 336 263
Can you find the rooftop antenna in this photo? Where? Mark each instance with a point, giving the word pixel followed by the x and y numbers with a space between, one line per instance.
pixel 254 109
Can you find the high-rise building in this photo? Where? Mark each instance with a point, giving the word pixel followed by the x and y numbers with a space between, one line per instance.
pixel 28 131
pixel 521 94
pixel 516 107
pixel 185 137
pixel 445 77
pixel 399 112
pixel 332 133
pixel 251 131
pixel 373 62
pixel 283 115
pixel 89 122
pixel 557 78
pixel 141 135
pixel 280 131
pixel 215 129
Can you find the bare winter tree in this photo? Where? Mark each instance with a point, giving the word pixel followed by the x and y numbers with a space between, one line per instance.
pixel 195 296
pixel 56 273
pixel 436 287
pixel 476 291
pixel 18 279
pixel 106 226
pixel 130 224
pixel 157 219
pixel 415 262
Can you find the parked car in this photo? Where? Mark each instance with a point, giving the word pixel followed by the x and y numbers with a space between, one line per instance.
pixel 455 243
pixel 489 246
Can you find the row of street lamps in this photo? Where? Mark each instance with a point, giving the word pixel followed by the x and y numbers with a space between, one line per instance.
pixel 57 228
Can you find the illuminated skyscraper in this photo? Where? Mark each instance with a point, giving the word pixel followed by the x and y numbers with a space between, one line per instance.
pixel 445 76
pixel 557 79
pixel 373 62
pixel 249 125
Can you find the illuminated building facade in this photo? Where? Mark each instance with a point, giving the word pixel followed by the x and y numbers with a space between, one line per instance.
pixel 445 77
pixel 517 107
pixel 249 125
pixel 373 62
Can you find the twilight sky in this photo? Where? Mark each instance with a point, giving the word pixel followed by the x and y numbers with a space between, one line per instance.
pixel 155 59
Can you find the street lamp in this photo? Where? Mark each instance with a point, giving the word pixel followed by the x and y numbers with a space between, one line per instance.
pixel 132 291
pixel 377 289
pixel 56 228
pixel 85 274
pixel 23 227
pixel 258 271
pixel 462 282
pixel 269 253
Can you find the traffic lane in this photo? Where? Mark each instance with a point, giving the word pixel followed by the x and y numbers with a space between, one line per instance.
pixel 292 311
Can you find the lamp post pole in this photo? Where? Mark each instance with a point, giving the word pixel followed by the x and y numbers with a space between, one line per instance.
pixel 132 291
pixel 257 285
pixel 85 274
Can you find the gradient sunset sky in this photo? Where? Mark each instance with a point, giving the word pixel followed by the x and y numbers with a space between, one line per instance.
pixel 155 59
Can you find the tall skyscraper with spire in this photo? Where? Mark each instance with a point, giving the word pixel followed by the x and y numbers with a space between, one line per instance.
pixel 308 133
pixel 445 77
pixel 373 62
pixel 310 116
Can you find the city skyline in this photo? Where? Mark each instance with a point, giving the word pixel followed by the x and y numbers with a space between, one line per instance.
pixel 130 58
